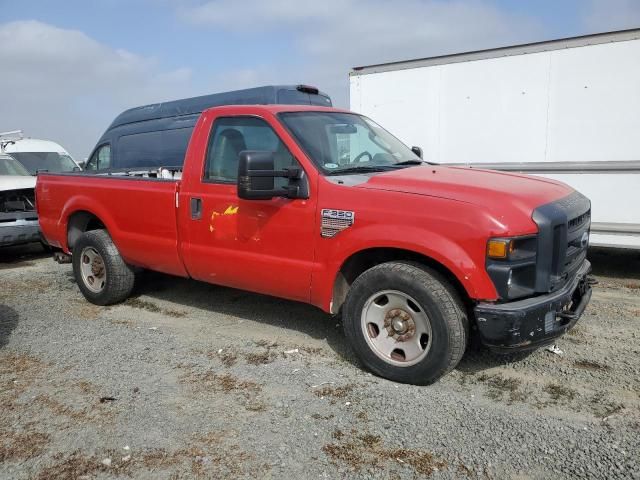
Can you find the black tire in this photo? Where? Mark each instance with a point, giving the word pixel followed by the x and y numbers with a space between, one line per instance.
pixel 120 277
pixel 440 302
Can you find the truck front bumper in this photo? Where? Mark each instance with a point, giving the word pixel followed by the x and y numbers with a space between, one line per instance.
pixel 19 231
pixel 537 321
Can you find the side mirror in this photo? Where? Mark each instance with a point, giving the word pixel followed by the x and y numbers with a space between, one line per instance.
pixel 256 175
pixel 82 164
pixel 417 151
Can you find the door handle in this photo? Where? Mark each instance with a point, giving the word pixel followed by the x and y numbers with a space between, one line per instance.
pixel 196 208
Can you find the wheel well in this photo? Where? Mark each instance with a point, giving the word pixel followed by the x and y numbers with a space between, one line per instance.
pixel 80 222
pixel 365 259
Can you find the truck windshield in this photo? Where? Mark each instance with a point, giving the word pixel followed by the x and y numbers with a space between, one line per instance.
pixel 45 161
pixel 9 166
pixel 347 143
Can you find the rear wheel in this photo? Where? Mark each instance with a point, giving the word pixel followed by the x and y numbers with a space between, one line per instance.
pixel 101 274
pixel 405 322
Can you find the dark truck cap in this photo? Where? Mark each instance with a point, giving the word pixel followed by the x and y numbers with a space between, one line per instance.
pixel 266 95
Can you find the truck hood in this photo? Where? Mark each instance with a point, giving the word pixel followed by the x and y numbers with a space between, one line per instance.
pixel 16 182
pixel 487 188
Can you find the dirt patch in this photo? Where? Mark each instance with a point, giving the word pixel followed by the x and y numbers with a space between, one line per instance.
pixel 501 388
pixel 136 302
pixel 88 311
pixel 369 451
pixel 577 335
pixel 19 364
pixel 603 407
pixel 560 393
pixel 585 364
pixel 226 383
pixel 12 287
pixel 317 416
pixel 260 358
pixel 314 351
pixel 73 466
pixel 60 409
pixel 334 393
pixel 227 356
pixel 15 446
pixel 206 457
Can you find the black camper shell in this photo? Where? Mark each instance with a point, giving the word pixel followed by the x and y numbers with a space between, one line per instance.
pixel 157 135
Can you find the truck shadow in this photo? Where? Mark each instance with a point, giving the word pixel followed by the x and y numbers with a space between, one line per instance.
pixel 284 314
pixel 262 309
pixel 8 322
pixel 21 255
pixel 318 325
pixel 615 263
pixel 478 358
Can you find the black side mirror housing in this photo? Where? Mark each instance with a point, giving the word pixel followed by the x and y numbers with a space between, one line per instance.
pixel 256 175
pixel 417 151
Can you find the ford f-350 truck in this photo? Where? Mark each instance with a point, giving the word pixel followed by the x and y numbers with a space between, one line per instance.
pixel 323 206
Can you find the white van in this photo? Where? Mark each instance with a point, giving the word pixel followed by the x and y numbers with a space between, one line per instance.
pixel 37 155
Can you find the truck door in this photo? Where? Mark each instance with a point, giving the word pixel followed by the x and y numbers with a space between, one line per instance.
pixel 264 246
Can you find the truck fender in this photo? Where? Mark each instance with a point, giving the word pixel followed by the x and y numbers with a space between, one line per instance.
pixel 82 203
pixel 425 243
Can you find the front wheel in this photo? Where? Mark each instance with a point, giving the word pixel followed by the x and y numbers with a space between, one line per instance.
pixel 101 274
pixel 405 322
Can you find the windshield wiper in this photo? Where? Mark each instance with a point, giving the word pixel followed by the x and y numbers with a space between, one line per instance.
pixel 415 162
pixel 362 169
pixel 409 162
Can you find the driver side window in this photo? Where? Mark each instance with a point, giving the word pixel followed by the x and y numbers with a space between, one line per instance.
pixel 232 135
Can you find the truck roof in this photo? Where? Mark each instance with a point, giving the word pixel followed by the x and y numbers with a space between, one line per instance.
pixel 521 49
pixel 33 145
pixel 252 96
pixel 282 108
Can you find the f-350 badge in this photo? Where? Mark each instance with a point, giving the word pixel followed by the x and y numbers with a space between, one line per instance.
pixel 334 221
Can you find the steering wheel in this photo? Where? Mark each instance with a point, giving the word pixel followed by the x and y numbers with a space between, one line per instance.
pixel 357 159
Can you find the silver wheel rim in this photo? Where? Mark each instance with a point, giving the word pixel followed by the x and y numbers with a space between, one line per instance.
pixel 396 328
pixel 93 270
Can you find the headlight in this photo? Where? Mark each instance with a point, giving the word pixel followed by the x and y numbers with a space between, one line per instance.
pixel 516 248
pixel 511 264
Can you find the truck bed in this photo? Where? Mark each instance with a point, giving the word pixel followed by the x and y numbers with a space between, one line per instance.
pixel 139 213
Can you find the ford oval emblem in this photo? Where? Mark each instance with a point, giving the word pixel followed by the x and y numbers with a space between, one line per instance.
pixel 584 241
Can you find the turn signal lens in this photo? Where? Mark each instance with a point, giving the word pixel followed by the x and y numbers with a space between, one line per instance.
pixel 499 248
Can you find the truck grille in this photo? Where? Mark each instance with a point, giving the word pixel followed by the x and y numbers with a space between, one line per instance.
pixel 579 220
pixel 577 243
pixel 563 239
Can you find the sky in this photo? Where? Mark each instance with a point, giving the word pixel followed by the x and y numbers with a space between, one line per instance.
pixel 68 67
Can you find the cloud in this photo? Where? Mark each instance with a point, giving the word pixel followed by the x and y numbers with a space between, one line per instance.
pixel 63 85
pixel 335 35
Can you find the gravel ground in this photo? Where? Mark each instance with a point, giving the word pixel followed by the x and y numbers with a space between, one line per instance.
pixel 191 380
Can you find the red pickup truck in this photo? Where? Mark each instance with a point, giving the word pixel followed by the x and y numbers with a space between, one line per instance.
pixel 323 206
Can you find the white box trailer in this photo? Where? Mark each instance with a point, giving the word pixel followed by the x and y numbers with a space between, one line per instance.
pixel 566 109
